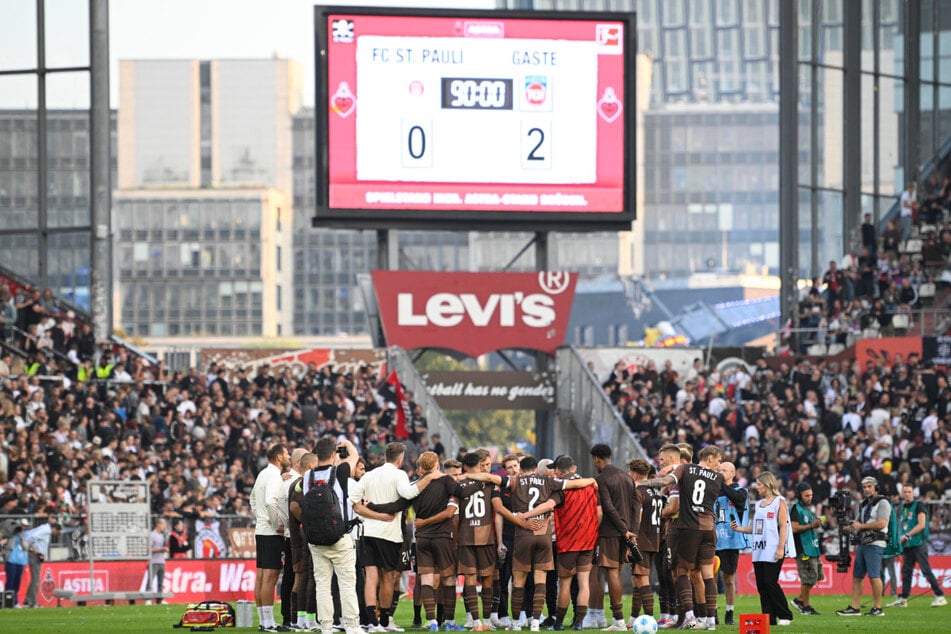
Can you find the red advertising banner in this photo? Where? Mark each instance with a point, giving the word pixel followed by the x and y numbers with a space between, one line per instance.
pixel 838 583
pixel 475 313
pixel 190 580
pixel 886 348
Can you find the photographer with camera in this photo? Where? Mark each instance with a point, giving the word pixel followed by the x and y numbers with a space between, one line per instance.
pixel 871 526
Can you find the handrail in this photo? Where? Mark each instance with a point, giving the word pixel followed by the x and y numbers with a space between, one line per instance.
pixel 585 416
pixel 436 422
pixel 49 351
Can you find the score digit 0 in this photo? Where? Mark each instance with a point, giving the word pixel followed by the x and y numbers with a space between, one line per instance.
pixel 536 145
pixel 416 142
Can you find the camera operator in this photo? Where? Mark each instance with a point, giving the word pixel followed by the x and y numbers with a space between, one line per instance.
pixel 871 526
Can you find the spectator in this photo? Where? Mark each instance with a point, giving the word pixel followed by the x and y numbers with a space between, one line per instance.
pixel 178 543
pixel 909 207
pixel 157 563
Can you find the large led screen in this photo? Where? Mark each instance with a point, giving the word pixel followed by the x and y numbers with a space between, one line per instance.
pixel 477 120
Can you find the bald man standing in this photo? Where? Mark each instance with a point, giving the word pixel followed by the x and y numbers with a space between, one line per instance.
pixel 731 505
pixel 288 597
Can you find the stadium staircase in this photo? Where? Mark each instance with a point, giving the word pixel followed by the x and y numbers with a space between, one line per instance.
pixel 16 283
pixel 399 360
pixel 585 416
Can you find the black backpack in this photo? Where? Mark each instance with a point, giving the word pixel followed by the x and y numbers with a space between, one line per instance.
pixel 320 512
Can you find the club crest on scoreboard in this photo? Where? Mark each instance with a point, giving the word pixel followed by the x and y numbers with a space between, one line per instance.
pixel 342 31
pixel 536 95
pixel 610 39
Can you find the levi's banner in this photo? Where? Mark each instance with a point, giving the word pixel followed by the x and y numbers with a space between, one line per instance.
pixel 475 313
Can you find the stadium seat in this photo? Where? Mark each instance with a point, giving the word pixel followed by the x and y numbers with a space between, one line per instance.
pixel 835 348
pixel 901 321
pixel 816 350
pixel 911 245
pixel 870 333
pixel 926 292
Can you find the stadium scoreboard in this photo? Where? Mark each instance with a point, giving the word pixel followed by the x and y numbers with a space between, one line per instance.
pixel 119 519
pixel 440 115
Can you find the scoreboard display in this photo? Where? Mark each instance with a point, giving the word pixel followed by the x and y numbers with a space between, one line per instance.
pixel 478 119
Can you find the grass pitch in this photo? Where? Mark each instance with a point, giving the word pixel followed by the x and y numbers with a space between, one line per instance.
pixel 918 617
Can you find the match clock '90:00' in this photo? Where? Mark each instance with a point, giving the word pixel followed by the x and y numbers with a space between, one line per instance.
pixel 472 93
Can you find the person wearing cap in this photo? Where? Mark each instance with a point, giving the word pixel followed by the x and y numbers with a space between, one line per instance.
pixel 15 556
pixel 871 525
pixel 913 516
pixel 808 563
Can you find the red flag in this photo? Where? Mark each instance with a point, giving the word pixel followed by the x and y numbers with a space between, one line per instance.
pixel 402 407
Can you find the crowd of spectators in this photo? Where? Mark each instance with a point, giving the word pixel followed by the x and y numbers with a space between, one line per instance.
pixel 198 438
pixel 72 410
pixel 889 275
pixel 825 423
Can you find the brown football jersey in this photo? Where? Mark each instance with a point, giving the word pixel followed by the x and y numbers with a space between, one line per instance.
pixel 530 491
pixel 476 518
pixel 433 500
pixel 648 534
pixel 699 490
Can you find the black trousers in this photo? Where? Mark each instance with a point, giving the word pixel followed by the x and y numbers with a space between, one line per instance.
pixel 772 599
pixel 287 584
pixel 917 555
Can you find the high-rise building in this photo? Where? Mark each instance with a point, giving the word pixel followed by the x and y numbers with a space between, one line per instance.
pixel 203 213
pixel 204 142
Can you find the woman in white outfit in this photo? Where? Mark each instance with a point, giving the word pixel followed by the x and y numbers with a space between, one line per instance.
pixel 772 542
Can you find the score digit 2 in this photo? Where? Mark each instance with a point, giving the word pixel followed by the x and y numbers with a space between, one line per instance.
pixel 536 145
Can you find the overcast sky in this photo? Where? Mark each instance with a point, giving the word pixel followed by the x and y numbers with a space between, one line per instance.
pixel 165 29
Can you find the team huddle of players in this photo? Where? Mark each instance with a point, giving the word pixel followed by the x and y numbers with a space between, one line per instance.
pixel 545 517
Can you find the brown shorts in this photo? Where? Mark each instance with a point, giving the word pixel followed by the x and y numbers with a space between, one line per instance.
pixel 435 556
pixel 695 548
pixel 477 560
pixel 533 552
pixel 644 568
pixel 612 552
pixel 571 563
